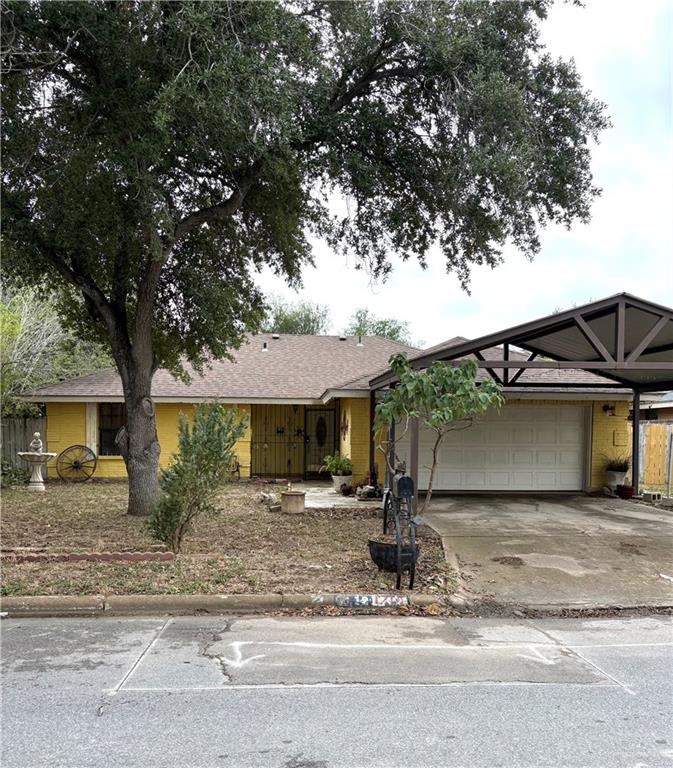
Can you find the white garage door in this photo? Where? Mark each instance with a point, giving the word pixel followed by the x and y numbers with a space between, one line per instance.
pixel 522 448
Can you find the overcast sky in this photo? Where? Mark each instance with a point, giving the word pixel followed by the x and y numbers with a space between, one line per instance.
pixel 623 51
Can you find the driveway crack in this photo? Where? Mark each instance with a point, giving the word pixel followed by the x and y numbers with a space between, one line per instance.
pixel 206 640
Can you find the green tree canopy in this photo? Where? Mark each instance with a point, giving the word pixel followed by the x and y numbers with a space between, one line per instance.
pixel 155 154
pixel 36 348
pixel 363 322
pixel 296 317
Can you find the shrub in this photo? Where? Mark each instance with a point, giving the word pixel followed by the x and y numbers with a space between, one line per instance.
pixel 10 475
pixel 200 467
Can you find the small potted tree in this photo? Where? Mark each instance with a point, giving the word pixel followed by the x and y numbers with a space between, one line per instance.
pixel 341 469
pixel 616 468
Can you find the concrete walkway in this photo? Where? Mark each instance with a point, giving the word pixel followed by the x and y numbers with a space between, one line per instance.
pixel 558 551
pixel 321 495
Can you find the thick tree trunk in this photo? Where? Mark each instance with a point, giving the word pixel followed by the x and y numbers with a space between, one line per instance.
pixel 139 446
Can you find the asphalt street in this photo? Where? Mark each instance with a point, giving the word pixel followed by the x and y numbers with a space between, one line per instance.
pixel 337 692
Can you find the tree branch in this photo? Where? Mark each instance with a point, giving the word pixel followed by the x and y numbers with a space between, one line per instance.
pixel 373 75
pixel 220 211
pixel 97 303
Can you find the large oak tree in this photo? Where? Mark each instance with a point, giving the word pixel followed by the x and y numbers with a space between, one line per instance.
pixel 155 153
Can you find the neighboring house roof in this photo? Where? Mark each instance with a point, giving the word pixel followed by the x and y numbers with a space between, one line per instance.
pixel 294 367
pixel 662 401
pixel 448 343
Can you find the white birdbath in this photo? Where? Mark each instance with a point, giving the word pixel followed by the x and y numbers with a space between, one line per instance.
pixel 36 458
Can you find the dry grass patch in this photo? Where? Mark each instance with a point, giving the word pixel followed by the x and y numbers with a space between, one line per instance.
pixel 244 548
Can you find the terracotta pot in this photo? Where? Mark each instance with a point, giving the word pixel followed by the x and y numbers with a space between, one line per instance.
pixel 625 491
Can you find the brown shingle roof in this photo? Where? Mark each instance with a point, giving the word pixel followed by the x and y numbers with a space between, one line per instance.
pixel 293 368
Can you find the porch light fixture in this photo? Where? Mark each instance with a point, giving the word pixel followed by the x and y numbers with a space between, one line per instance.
pixel 609 410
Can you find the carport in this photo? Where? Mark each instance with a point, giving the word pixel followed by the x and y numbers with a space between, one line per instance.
pixel 625 341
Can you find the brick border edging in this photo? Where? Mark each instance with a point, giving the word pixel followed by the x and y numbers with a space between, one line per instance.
pixel 95 557
pixel 125 605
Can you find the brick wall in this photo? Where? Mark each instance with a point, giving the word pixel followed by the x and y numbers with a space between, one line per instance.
pixel 610 437
pixel 355 443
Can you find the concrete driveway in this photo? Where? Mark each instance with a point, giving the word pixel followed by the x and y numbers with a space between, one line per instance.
pixel 558 551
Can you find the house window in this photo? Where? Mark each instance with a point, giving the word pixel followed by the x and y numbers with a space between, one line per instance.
pixel 111 417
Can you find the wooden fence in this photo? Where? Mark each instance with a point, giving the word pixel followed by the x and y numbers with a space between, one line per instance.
pixel 16 436
pixel 656 441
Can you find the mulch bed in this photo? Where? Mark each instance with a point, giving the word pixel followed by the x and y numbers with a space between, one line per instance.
pixel 244 548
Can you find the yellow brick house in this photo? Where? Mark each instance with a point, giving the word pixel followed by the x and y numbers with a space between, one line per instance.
pixel 300 409
pixel 307 396
pixel 292 388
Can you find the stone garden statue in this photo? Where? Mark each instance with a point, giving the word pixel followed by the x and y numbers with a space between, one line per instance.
pixel 36 443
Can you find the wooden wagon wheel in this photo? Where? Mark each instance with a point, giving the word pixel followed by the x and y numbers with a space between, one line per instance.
pixel 76 464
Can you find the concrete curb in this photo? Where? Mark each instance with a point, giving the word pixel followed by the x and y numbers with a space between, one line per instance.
pixel 54 605
pixel 577 607
pixel 189 605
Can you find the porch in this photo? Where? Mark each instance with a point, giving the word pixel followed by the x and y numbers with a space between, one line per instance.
pixel 291 441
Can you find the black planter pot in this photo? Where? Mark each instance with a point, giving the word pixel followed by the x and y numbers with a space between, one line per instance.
pixel 384 555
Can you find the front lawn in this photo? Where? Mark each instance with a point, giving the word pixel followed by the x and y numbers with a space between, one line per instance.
pixel 243 549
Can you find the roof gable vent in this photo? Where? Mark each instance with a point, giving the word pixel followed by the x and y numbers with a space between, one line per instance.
pixel 275 335
pixel 342 338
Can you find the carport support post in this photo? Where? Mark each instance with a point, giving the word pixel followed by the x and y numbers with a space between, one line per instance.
pixel 413 458
pixel 635 442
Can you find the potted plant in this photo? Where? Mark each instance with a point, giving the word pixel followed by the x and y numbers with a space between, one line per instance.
pixel 341 469
pixel 616 468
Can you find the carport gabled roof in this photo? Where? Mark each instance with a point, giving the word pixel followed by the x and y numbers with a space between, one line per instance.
pixel 622 338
